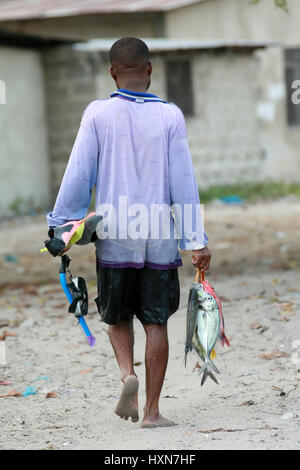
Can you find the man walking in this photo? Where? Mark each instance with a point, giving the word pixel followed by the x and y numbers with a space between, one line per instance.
pixel 133 147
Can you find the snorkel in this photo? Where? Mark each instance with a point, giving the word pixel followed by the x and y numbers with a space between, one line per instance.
pixel 61 238
pixel 82 297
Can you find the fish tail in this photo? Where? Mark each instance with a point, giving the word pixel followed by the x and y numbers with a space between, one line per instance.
pixel 212 365
pixel 211 375
pixel 188 348
pixel 205 374
pixel 204 366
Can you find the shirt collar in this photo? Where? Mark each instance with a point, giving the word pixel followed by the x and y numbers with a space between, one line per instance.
pixel 136 96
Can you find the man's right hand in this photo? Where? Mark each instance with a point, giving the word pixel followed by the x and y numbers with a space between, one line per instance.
pixel 201 259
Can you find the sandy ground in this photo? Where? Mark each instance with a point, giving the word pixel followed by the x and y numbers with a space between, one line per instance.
pixel 255 268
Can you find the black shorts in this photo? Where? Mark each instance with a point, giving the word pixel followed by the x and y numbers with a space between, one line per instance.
pixel 150 294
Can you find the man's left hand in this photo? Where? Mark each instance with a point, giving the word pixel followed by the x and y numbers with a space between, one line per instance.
pixel 201 259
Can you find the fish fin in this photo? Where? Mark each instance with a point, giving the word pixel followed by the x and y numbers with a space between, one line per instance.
pixel 211 375
pixel 213 354
pixel 214 368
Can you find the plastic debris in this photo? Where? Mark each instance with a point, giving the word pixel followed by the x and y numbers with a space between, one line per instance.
pixel 287 416
pixel 247 374
pixel 29 391
pixel 280 235
pixel 28 323
pixel 3 382
pixel 11 258
pixel 232 199
pixel 20 270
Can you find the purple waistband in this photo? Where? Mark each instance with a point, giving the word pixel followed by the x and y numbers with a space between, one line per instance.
pixel 146 264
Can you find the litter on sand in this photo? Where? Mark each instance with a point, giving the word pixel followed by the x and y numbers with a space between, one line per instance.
pixel 3 382
pixel 29 391
pixel 11 393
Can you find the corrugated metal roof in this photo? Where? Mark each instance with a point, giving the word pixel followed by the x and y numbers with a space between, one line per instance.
pixel 164 45
pixel 30 9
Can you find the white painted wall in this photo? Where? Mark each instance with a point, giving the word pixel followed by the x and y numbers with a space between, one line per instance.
pixel 281 142
pixel 23 132
pixel 238 19
pixel 235 19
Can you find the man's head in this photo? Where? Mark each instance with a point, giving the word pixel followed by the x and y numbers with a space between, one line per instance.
pixel 130 65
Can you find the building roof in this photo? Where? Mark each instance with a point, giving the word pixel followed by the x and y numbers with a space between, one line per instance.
pixel 165 45
pixel 34 9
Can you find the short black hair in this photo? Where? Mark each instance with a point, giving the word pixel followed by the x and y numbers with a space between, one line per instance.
pixel 129 52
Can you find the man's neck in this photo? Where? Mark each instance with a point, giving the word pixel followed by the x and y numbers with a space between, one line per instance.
pixel 133 86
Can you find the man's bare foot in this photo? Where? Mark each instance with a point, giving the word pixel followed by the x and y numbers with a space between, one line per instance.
pixel 127 406
pixel 158 422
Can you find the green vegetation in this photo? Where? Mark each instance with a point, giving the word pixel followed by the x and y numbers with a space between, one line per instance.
pixel 17 206
pixel 23 206
pixel 279 3
pixel 250 191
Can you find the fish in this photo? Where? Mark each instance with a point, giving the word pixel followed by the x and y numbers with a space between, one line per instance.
pixel 204 326
pixel 206 334
pixel 191 318
pixel 209 289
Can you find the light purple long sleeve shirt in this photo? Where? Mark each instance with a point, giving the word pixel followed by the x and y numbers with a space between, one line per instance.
pixel 134 148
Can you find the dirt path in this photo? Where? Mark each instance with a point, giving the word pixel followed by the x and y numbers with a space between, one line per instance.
pixel 256 404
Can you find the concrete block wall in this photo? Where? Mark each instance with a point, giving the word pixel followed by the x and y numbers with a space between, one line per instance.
pixel 73 79
pixel 224 134
pixel 24 169
pixel 70 87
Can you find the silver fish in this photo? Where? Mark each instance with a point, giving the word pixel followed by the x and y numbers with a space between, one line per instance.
pixel 191 318
pixel 202 328
pixel 206 335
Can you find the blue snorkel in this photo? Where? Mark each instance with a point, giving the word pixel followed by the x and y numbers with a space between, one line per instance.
pixel 61 238
pixel 78 300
